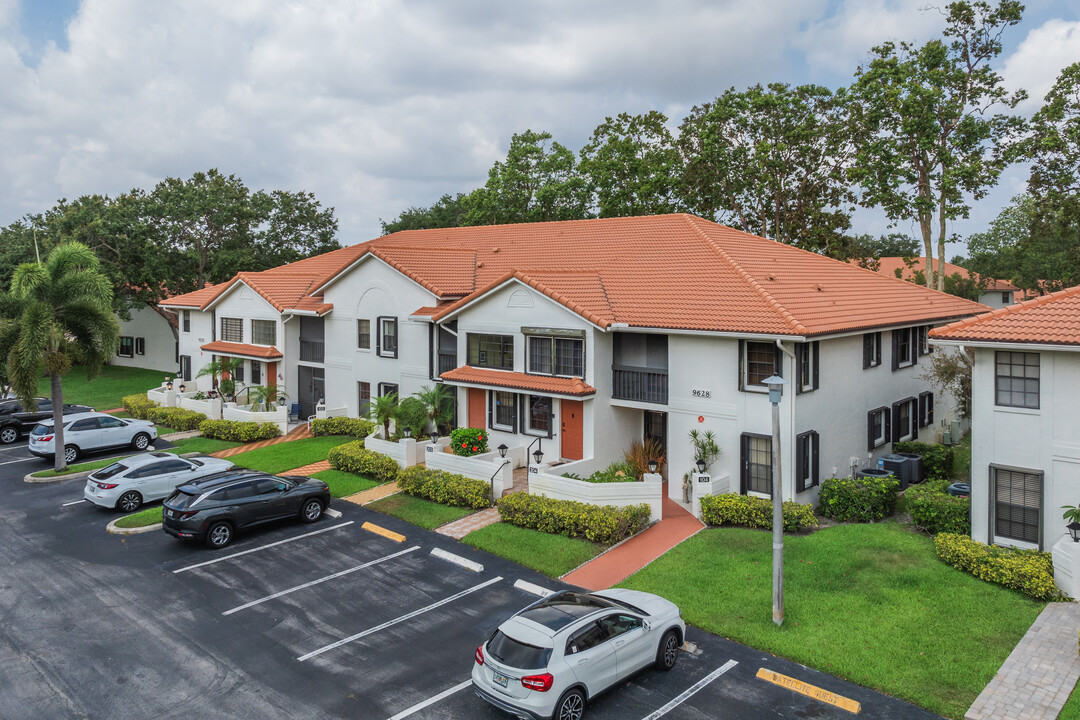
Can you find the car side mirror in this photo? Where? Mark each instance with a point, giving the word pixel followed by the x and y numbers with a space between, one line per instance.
pixel 647 625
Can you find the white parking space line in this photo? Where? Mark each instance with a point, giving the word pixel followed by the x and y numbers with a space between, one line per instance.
pixel 253 603
pixel 395 621
pixel 9 448
pixel 73 502
pixel 261 547
pixel 457 560
pixel 432 700
pixel 9 462
pixel 690 691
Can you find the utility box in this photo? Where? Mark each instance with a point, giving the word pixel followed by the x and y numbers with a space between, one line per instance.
pixel 872 472
pixel 918 469
pixel 899 466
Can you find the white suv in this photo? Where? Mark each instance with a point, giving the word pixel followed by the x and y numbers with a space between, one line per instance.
pixel 128 483
pixel 550 659
pixel 84 432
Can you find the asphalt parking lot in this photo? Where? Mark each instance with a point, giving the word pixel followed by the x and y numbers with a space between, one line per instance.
pixel 327 620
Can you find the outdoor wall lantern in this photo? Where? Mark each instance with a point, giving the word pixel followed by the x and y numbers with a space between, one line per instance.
pixel 281 400
pixel 701 465
pixel 538 455
pixel 407 431
pixel 183 387
pixel 1074 530
pixel 652 465
pixel 502 450
pixel 168 384
pixel 434 436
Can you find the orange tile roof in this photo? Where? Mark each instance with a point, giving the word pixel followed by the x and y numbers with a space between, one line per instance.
pixel 665 271
pixel 1047 320
pixel 255 351
pixel 889 266
pixel 467 375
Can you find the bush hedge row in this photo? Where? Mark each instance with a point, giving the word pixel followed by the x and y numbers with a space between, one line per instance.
pixel 1028 571
pixel 237 431
pixel 935 511
pixel 355 458
pixel 861 499
pixel 176 418
pixel 445 488
pixel 937 459
pixel 605 524
pixel 753 511
pixel 356 427
pixel 137 405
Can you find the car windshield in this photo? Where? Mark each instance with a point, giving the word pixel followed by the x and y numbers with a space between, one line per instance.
pixel 40 430
pixel 107 472
pixel 516 654
pixel 180 500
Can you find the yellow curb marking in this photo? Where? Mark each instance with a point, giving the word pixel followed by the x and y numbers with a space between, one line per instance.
pixel 809 690
pixel 396 537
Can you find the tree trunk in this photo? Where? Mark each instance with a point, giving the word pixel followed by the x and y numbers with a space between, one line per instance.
pixel 59 463
pixel 941 247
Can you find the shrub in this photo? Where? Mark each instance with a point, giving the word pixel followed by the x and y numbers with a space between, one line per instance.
pixel 137 405
pixel 1029 571
pixel 357 427
pixel 237 431
pixel 468 441
pixel 445 488
pixel 935 511
pixel 355 458
pixel 937 459
pixel 615 472
pixel 413 414
pixel 861 499
pixel 600 523
pixel 755 512
pixel 175 417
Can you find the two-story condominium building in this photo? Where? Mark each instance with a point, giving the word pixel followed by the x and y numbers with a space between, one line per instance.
pixel 584 336
pixel 1025 388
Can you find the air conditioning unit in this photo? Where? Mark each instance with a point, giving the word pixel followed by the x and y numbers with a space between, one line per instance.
pixel 918 469
pixel 872 472
pixel 897 465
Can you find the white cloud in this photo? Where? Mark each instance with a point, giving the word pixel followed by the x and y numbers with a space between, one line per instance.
pixel 1039 60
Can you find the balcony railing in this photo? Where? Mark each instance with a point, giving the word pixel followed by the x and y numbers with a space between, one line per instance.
pixel 638 383
pixel 447 362
pixel 311 350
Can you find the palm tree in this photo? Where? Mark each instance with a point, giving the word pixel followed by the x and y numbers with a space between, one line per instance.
pixel 58 308
pixel 439 401
pixel 382 411
pixel 222 366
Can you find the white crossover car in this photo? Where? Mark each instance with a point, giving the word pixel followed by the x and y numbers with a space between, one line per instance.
pixel 128 483
pixel 550 659
pixel 91 431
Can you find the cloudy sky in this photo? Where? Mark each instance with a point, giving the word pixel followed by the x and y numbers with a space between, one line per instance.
pixel 376 105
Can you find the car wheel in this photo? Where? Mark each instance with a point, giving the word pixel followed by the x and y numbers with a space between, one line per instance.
pixel 140 441
pixel 311 511
pixel 129 501
pixel 219 535
pixel 9 435
pixel 71 453
pixel 668 652
pixel 571 706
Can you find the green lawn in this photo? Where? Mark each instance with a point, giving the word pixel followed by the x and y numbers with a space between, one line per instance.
pixel 1071 711
pixel 869 603
pixel 104 391
pixel 553 555
pixel 289 455
pixel 345 483
pixel 203 445
pixel 418 511
pixel 148 516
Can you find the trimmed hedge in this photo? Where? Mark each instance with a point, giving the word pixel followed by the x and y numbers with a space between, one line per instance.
pixel 137 405
pixel 468 441
pixel 937 459
pixel 445 488
pixel 605 524
pixel 935 511
pixel 238 431
pixel 1028 571
pixel 755 512
pixel 861 499
pixel 355 458
pixel 176 418
pixel 357 427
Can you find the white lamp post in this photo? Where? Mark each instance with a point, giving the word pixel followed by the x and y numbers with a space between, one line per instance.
pixel 776 391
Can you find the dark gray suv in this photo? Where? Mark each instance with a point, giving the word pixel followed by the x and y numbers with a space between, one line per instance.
pixel 212 510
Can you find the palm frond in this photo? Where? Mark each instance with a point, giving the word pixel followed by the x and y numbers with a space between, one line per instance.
pixel 11 305
pixel 82 286
pixel 69 257
pixel 28 280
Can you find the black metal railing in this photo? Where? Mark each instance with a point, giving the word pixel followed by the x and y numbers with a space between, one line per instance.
pixel 447 362
pixel 311 350
pixel 638 383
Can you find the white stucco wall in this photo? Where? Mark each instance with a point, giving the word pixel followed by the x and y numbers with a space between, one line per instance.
pixel 158 340
pixel 993 299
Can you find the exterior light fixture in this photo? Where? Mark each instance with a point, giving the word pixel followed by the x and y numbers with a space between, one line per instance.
pixel 407 431
pixel 183 387
pixel 168 384
pixel 652 465
pixel 1074 530
pixel 434 436
pixel 281 400
pixel 701 465
pixel 776 384
pixel 502 450
pixel 538 455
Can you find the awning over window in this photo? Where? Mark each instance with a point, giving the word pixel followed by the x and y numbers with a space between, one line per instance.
pixel 242 350
pixel 499 379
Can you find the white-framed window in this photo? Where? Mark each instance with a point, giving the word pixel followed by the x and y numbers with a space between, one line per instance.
pixel 263 332
pixel 127 347
pixel 232 329
pixel 388 389
pixel 905 415
pixel 756 464
pixel 806 358
pixel 364 391
pixel 561 356
pixel 140 346
pixel 877 428
pixel 185 316
pixel 503 410
pixel 1006 298
pixel 807 445
pixel 538 415
pixel 1017 498
pixel 904 348
pixel 923 334
pixel 871 354
pixel 758 361
pixel 926 409
pixel 363 334
pixel 256 372
pixel 490 351
pixel 1016 379
pixel 185 367
pixel 387 337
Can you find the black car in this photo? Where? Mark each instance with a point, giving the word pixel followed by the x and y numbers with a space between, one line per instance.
pixel 215 508
pixel 16 422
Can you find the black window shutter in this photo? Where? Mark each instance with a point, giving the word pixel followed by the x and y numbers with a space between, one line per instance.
pixel 800 461
pixel 800 358
pixel 870 430
pixel 742 365
pixel 396 342
pixel 491 409
pixel 817 363
pixel 896 429
pixel 916 334
pixel 815 448
pixel 378 336
pixel 744 453
pixel 888 422
pixel 867 349
pixel 922 409
pixel 930 409
pixel 778 361
pixel 895 350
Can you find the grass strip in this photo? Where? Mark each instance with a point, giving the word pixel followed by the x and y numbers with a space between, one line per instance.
pixel 200 445
pixel 345 483
pixel 1071 711
pixel 81 467
pixel 289 455
pixel 149 516
pixel 553 555
pixel 869 603
pixel 418 511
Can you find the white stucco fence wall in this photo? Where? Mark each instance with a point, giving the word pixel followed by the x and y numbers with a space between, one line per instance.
pixel 479 467
pixel 211 408
pixel 649 491
pixel 279 416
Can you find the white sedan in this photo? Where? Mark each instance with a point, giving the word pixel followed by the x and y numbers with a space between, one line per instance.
pixel 90 431
pixel 128 483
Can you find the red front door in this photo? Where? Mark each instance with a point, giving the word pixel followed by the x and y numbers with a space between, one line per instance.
pixel 477 409
pixel 571 429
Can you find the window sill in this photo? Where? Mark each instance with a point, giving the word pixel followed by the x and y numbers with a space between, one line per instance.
pixel 755 389
pixel 1009 409
pixel 503 428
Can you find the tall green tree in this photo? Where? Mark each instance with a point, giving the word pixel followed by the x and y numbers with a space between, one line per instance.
pixel 867 250
pixel 771 161
pixel 56 308
pixel 929 139
pixel 1054 146
pixel 633 166
pixel 446 212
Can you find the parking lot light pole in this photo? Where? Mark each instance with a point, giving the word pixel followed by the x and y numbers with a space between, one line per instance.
pixel 776 391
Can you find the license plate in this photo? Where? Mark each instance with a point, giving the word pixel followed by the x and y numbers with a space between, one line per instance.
pixel 168 513
pixel 499 678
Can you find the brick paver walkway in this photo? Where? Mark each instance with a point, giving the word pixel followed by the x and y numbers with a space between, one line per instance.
pixel 376 493
pixel 460 528
pixel 298 433
pixel 623 561
pixel 309 469
pixel 1040 673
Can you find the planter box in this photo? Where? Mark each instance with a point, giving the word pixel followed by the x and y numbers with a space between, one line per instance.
pixel 650 490
pixel 209 408
pixel 279 416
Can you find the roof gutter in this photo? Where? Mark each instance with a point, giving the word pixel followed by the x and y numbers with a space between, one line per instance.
pixel 998 344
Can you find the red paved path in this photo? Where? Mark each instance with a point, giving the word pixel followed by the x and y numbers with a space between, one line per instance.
pixel 637 552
